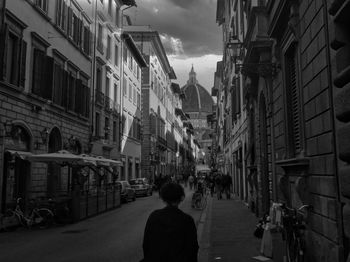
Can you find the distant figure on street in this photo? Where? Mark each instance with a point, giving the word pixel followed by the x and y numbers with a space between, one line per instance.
pixel 227 182
pixel 218 185
pixel 191 181
pixel 170 234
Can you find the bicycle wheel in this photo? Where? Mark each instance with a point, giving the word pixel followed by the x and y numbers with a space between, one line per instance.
pixel 44 217
pixel 294 250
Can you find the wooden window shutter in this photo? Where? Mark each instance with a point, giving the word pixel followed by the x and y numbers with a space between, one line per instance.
pixel 59 12
pixel 293 101
pixel 57 87
pixel 4 34
pixel 71 92
pixel 79 98
pixel 22 76
pixel 65 85
pixel 47 81
pixel 69 22
pixel 38 61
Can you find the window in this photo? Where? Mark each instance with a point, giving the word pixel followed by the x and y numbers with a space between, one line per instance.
pixel 99 38
pixel 125 54
pixel 130 92
pixel 110 7
pixel 130 61
pixel 117 15
pixel 295 142
pixel 115 92
pixel 59 87
pixel 124 86
pixel 134 96
pixel 138 100
pixel 99 78
pixel 108 55
pixel 86 40
pixel 74 26
pixel 107 93
pixel 42 74
pixel 61 14
pixel 116 55
pixel 97 125
pixel 42 4
pixel 114 131
pixel 71 92
pixel 107 128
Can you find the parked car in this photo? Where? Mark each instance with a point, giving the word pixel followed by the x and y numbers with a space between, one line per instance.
pixel 127 192
pixel 141 186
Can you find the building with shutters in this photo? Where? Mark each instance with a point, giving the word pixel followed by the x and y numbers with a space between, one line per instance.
pixel 45 85
pixel 163 131
pixel 60 90
pixel 130 147
pixel 289 55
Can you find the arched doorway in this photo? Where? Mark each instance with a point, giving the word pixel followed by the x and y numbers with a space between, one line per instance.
pixel 264 170
pixel 54 183
pixel 16 172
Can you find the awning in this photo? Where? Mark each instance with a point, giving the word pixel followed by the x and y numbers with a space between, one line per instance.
pixel 61 157
pixel 107 162
pixel 21 154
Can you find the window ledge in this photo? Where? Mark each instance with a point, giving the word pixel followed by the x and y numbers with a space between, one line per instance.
pixel 294 166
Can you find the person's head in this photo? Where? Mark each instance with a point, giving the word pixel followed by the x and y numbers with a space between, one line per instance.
pixel 172 193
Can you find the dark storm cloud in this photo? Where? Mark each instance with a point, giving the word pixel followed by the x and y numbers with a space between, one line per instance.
pixel 192 22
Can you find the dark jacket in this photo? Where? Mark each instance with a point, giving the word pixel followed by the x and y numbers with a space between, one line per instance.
pixel 170 236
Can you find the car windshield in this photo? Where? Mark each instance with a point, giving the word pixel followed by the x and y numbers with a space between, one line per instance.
pixel 136 182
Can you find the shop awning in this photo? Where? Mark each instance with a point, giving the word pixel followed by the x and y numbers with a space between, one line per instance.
pixel 60 157
pixel 21 154
pixel 108 162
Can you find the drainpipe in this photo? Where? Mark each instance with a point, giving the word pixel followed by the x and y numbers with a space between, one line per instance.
pixel 93 75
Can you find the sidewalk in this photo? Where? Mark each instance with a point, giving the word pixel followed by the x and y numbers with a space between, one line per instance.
pixel 227 232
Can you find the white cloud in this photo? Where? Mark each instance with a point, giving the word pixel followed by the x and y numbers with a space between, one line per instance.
pixel 172 45
pixel 155 10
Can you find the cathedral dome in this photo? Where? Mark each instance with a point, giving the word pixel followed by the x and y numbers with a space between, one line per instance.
pixel 197 98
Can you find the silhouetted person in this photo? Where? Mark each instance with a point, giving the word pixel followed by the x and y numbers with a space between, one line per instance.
pixel 170 234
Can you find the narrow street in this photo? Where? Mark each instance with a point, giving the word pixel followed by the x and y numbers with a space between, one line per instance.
pixel 113 236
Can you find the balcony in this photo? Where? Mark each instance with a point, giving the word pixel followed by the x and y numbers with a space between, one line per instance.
pixel 100 98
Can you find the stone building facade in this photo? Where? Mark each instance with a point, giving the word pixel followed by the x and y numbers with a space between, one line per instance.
pixel 293 59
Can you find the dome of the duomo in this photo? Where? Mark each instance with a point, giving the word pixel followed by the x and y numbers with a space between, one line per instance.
pixel 197 98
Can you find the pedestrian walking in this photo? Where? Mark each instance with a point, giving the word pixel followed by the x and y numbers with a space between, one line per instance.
pixel 218 185
pixel 227 182
pixel 170 234
pixel 190 181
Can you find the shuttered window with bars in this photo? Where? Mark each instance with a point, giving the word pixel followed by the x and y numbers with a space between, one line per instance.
pixel 295 141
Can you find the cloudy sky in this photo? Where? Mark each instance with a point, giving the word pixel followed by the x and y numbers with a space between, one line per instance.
pixel 189 33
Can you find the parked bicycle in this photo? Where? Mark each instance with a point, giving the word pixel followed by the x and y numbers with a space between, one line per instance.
pixel 294 227
pixel 37 216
